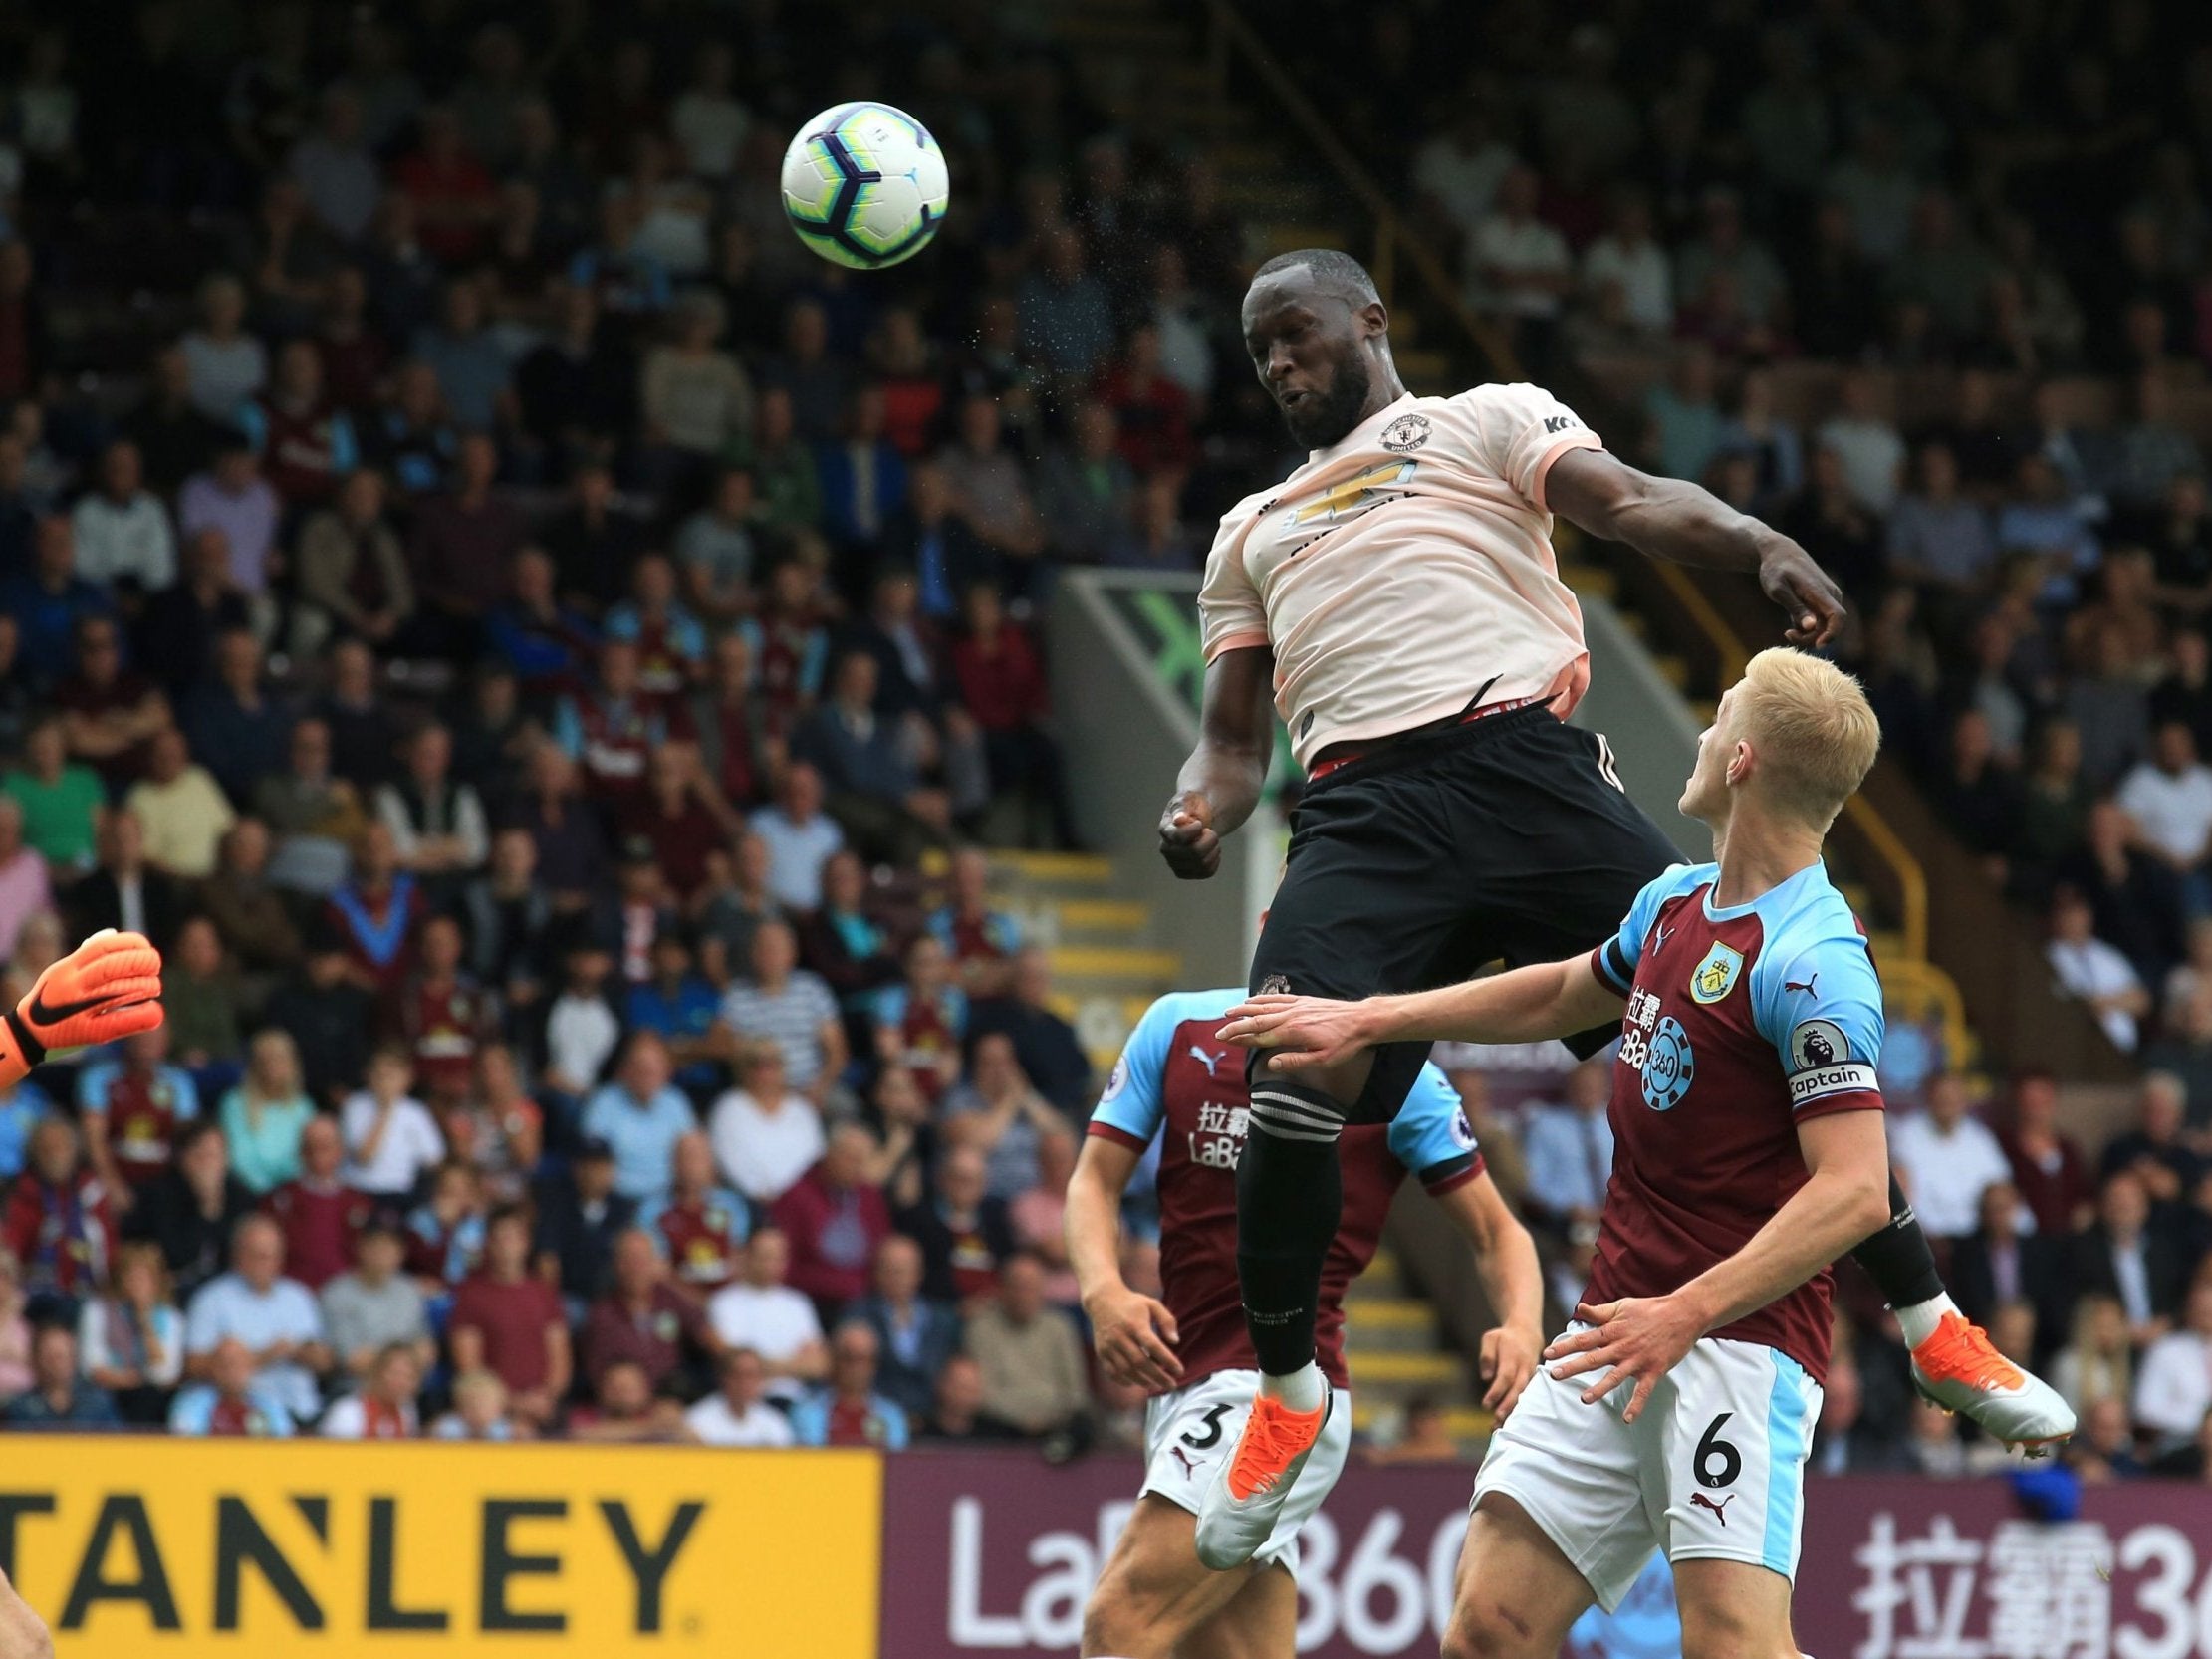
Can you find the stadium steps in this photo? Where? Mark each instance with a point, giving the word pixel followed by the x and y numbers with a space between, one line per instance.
pixel 1107 964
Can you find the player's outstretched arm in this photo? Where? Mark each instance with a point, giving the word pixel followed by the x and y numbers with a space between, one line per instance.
pixel 1523 1005
pixel 1846 1198
pixel 1512 1280
pixel 1220 784
pixel 1667 517
pixel 1133 1333
pixel 108 987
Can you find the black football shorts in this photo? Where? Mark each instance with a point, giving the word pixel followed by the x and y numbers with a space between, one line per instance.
pixel 1412 867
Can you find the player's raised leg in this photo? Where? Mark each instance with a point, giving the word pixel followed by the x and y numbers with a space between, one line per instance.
pixel 1262 1623
pixel 1154 1594
pixel 1515 1595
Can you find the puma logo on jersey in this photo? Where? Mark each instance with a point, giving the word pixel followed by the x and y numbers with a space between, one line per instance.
pixel 1720 1509
pixel 1804 984
pixel 1190 1466
pixel 1659 940
pixel 1205 1058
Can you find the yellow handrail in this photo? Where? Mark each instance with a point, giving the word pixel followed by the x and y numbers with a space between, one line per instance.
pixel 1231 32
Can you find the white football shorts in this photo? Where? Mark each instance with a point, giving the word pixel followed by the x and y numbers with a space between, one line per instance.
pixel 1188 1433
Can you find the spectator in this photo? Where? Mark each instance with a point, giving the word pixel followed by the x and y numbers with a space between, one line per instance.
pixel 383 1407
pixel 60 802
pixel 765 1134
pixel 497 1129
pixel 922 1022
pixel 507 1320
pixel 2048 1165
pixel 999 1115
pixel 990 489
pixel 234 721
pixel 791 1007
pixel 231 1398
pixel 376 1307
pixel 479 1411
pixel 625 1408
pixel 1046 1045
pixel 122 530
pixel 700 1228
pixel 445 1232
pixel 2157 1152
pixel 800 838
pixel 579 1216
pixel 133 1107
pixel 641 1115
pixel 1002 686
pixel 1084 492
pixel 173 436
pixel 2170 798
pixel 390 1136
pixel 353 576
pixel 2105 1447
pixel 121 891
pixel 306 443
pixel 848 1410
pixel 643 1321
pixel 224 364
pixel 329 1018
pixel 681 820
pixel 696 401
pixel 678 1004
pixel 2005 1263
pixel 15 1328
pixel 1868 446
pixel 60 1398
pixel 2094 973
pixel 189 1214
pixel 59 1219
pixel 981 940
pixel 739 1413
pixel 2135 898
pixel 1939 537
pixel 916 1336
pixel 1570 1152
pixel 582 1028
pixel 320 1216
pixel 2174 1390
pixel 130 1340
pixel 834 1218
pixel 1039 1214
pixel 442 1017
pixel 762 1312
pixel 963 1230
pixel 233 503
pixel 1685 422
pixel 2124 1255
pixel 313 815
pixel 25 889
pixel 1948 1158
pixel 377 910
pixel 2099 1363
pixel 275 1319
pixel 957 1418
pixel 438 828
pixel 201 995
pixel 182 809
pixel 1032 1369
pixel 463 540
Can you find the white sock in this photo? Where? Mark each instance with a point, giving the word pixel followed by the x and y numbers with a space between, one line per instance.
pixel 1302 1390
pixel 1919 1320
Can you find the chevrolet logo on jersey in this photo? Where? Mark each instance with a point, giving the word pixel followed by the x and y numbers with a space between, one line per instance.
pixel 1355 495
pixel 1716 974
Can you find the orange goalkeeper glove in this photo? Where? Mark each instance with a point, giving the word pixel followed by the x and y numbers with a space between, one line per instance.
pixel 108 987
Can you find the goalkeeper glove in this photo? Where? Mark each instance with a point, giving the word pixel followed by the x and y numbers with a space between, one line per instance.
pixel 108 987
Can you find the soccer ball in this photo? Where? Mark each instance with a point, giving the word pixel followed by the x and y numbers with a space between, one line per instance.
pixel 865 186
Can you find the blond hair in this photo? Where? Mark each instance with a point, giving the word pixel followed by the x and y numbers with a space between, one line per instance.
pixel 1812 728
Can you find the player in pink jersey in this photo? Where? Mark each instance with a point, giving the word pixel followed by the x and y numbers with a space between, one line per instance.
pixel 1395 601
pixel 1179 1086
pixel 1676 1412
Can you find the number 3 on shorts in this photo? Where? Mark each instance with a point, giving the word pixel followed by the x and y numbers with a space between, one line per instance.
pixel 1716 1463
pixel 1212 1420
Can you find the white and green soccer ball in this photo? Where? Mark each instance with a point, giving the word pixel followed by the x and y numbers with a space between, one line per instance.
pixel 865 186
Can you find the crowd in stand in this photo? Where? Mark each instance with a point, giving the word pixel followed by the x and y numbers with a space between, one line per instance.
pixel 515 628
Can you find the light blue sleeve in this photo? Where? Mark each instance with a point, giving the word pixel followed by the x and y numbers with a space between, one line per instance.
pixel 810 1423
pixel 1431 1136
pixel 1816 997
pixel 1616 960
pixel 895 1425
pixel 568 729
pixel 186 1093
pixel 193 1409
pixel 91 1086
pixel 1133 1102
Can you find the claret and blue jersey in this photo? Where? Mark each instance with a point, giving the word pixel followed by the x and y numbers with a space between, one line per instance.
pixel 1179 1083
pixel 1742 1022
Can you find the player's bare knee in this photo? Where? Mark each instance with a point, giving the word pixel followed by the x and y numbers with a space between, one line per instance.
pixel 1485 1626
pixel 1119 1620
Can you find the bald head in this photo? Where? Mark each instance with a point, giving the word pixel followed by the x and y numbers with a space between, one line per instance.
pixel 1329 271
